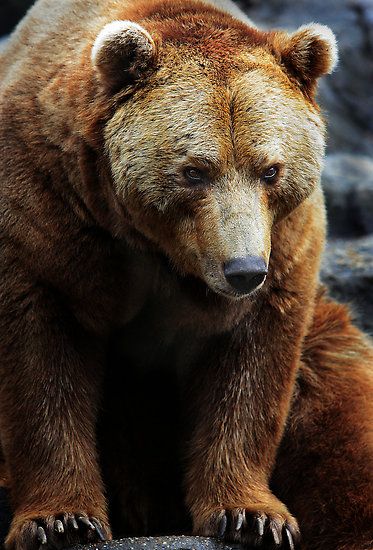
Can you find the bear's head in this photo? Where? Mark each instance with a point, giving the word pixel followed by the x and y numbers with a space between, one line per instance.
pixel 218 136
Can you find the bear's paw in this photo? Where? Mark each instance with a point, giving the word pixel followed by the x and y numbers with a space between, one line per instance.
pixel 264 529
pixel 55 532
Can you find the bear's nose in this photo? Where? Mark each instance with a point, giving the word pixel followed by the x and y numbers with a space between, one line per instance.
pixel 245 274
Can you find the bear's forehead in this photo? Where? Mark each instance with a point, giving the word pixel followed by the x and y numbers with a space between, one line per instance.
pixel 250 68
pixel 258 96
pixel 253 115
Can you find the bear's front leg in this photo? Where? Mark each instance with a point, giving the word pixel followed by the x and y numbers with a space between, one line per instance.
pixel 49 385
pixel 244 385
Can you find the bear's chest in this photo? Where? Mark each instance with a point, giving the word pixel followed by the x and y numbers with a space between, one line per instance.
pixel 154 341
pixel 166 319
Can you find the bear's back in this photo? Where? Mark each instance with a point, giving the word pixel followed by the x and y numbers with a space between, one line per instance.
pixel 52 30
pixel 45 37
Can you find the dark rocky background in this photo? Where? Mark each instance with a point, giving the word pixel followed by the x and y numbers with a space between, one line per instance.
pixel 347 100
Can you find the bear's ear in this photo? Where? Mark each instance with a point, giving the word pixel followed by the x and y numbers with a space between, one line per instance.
pixel 123 52
pixel 309 52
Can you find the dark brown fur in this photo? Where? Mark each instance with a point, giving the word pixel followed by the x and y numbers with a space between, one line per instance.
pixel 107 309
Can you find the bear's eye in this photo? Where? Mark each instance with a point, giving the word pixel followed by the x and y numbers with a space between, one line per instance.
pixel 194 176
pixel 270 175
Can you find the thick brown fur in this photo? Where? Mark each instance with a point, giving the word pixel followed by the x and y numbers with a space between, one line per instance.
pixel 128 363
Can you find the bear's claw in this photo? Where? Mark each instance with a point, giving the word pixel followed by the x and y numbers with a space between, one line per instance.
pixel 240 519
pixel 222 525
pixel 289 538
pixel 57 533
pixel 73 522
pixel 99 529
pixel 259 530
pixel 86 522
pixel 58 526
pixel 41 534
pixel 259 524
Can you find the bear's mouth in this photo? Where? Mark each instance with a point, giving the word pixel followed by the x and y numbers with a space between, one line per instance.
pixel 234 295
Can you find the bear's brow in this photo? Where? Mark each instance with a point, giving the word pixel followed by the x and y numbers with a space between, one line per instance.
pixel 205 160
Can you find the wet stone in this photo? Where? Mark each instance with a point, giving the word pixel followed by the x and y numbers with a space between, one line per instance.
pixel 348 186
pixel 347 271
pixel 163 543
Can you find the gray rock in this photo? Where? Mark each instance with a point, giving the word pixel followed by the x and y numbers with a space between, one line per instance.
pixel 348 186
pixel 364 199
pixel 163 543
pixel 11 11
pixel 3 40
pixel 347 271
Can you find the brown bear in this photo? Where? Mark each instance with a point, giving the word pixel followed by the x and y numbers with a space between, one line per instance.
pixel 164 336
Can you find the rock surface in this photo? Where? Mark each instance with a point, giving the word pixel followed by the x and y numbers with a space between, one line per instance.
pixel 11 12
pixel 348 272
pixel 348 186
pixel 163 543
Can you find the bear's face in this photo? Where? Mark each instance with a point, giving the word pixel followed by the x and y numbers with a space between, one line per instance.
pixel 205 164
